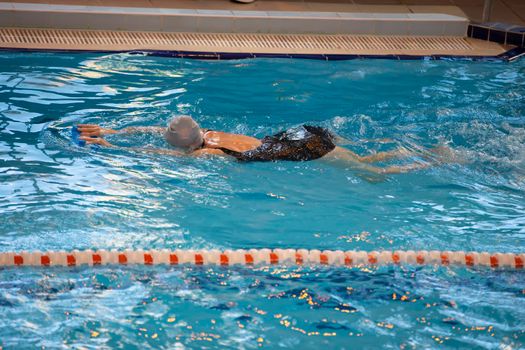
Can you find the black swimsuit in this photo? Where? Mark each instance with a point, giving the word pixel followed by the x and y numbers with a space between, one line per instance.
pixel 297 144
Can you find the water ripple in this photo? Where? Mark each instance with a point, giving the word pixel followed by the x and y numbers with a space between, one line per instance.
pixel 55 195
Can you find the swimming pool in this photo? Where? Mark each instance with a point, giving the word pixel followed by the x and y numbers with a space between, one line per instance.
pixel 55 195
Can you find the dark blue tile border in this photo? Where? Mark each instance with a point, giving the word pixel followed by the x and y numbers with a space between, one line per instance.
pixel 272 55
pixel 501 33
pixel 513 54
pixel 480 33
pixel 498 36
pixel 506 56
pixel 515 39
pixel 307 56
pixel 409 57
pixel 234 55
pixel 340 57
pixel 469 30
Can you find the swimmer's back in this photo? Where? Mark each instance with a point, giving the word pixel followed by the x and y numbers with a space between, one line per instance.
pixel 302 143
pixel 234 142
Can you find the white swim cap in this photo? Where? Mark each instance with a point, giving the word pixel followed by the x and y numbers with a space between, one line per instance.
pixel 184 132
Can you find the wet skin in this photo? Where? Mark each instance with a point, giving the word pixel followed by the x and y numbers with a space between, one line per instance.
pixel 214 140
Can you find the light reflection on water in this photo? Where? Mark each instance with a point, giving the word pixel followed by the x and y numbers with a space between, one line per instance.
pixel 54 195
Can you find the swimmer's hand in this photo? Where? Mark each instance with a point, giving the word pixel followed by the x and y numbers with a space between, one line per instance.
pixel 94 130
pixel 95 141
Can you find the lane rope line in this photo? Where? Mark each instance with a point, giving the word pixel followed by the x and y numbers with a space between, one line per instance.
pixel 262 257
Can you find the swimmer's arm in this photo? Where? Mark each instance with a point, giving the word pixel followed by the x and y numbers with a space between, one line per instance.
pixel 93 130
pixel 142 129
pixel 171 152
pixel 198 153
pixel 167 152
pixel 96 130
pixel 101 142
pixel 95 141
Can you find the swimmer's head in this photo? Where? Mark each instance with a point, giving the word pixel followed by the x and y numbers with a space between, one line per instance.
pixel 184 132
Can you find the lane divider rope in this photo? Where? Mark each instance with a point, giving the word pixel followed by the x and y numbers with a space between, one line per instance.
pixel 262 256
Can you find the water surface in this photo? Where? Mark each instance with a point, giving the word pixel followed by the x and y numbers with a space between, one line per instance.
pixel 55 195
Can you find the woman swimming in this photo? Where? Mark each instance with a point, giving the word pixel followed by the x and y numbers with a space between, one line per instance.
pixel 301 143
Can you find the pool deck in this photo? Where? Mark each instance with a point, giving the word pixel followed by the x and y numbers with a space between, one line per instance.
pixel 264 27
pixel 507 11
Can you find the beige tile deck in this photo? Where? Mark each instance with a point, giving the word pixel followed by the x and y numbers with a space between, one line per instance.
pixel 449 10
pixel 510 11
pixel 52 16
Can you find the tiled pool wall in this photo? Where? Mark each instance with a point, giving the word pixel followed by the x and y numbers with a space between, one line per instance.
pixel 509 55
pixel 506 56
pixel 506 34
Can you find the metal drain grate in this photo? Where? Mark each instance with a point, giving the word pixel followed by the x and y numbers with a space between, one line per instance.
pixel 284 43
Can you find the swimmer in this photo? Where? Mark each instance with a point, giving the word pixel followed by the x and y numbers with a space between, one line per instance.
pixel 297 144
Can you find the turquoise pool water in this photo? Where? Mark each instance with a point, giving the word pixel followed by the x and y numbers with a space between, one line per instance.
pixel 55 195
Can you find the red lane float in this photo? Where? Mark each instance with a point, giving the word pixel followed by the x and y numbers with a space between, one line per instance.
pixel 263 256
